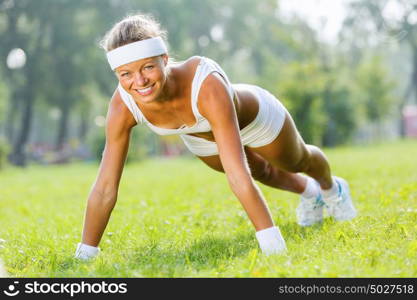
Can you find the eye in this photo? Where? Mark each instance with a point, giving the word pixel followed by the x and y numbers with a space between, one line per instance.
pixel 124 74
pixel 149 67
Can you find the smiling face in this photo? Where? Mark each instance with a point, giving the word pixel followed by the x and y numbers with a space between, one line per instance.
pixel 144 79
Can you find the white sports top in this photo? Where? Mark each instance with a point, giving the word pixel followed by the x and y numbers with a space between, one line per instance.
pixel 204 68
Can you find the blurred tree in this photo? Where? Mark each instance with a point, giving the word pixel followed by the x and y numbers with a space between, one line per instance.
pixel 337 97
pixel 340 112
pixel 374 90
pixel 303 95
pixel 75 62
pixel 67 71
pixel 59 37
pixel 387 22
pixel 22 30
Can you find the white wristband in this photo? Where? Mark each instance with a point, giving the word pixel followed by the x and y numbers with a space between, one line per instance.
pixel 271 241
pixel 85 252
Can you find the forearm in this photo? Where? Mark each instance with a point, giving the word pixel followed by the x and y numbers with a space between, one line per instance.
pixel 99 208
pixel 252 200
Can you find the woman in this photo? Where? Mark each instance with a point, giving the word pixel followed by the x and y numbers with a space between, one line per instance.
pixel 241 130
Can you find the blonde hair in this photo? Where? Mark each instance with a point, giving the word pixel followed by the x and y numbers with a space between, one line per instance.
pixel 132 29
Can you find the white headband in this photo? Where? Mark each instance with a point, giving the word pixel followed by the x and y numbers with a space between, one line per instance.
pixel 135 51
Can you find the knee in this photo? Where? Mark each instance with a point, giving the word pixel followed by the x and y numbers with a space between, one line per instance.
pixel 262 172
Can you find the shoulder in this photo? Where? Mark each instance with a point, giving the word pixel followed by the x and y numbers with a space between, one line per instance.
pixel 213 95
pixel 193 60
pixel 213 84
pixel 187 66
pixel 118 113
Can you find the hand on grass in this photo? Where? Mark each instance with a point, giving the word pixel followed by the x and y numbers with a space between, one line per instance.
pixel 86 252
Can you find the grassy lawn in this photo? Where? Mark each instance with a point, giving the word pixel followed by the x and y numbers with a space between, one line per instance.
pixel 177 218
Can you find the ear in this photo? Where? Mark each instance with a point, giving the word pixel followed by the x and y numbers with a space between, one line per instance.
pixel 165 58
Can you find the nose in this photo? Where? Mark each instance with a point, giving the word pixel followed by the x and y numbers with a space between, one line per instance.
pixel 140 80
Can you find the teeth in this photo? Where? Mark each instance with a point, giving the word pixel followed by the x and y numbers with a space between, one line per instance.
pixel 145 90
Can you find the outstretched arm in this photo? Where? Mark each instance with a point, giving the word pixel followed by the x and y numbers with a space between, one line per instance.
pixel 217 106
pixel 103 195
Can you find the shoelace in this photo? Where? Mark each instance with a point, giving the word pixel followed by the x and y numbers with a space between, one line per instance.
pixel 340 195
pixel 313 205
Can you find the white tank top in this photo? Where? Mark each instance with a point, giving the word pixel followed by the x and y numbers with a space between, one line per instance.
pixel 204 68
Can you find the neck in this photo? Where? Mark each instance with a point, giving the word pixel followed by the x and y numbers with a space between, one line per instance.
pixel 169 90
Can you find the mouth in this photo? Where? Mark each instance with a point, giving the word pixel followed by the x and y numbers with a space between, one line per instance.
pixel 146 91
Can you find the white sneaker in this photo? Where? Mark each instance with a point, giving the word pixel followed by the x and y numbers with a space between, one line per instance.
pixel 340 206
pixel 310 210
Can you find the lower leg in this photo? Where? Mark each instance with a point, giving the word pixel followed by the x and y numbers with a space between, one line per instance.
pixel 318 167
pixel 283 180
pixel 289 152
pixel 291 182
pixel 314 164
pixel 270 175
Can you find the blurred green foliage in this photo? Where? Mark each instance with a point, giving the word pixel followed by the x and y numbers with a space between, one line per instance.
pixel 330 89
pixel 4 152
pixel 141 145
pixel 303 93
pixel 375 89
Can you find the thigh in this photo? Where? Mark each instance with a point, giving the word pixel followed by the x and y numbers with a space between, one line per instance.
pixel 213 162
pixel 288 150
pixel 257 164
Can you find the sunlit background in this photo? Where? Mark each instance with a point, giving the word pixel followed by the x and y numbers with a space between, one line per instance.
pixel 345 69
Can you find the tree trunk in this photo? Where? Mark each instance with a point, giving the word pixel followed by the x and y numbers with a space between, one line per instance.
pixel 12 114
pixel 83 127
pixel 27 96
pixel 63 126
pixel 18 155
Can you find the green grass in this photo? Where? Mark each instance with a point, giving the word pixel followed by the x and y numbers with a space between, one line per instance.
pixel 177 218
